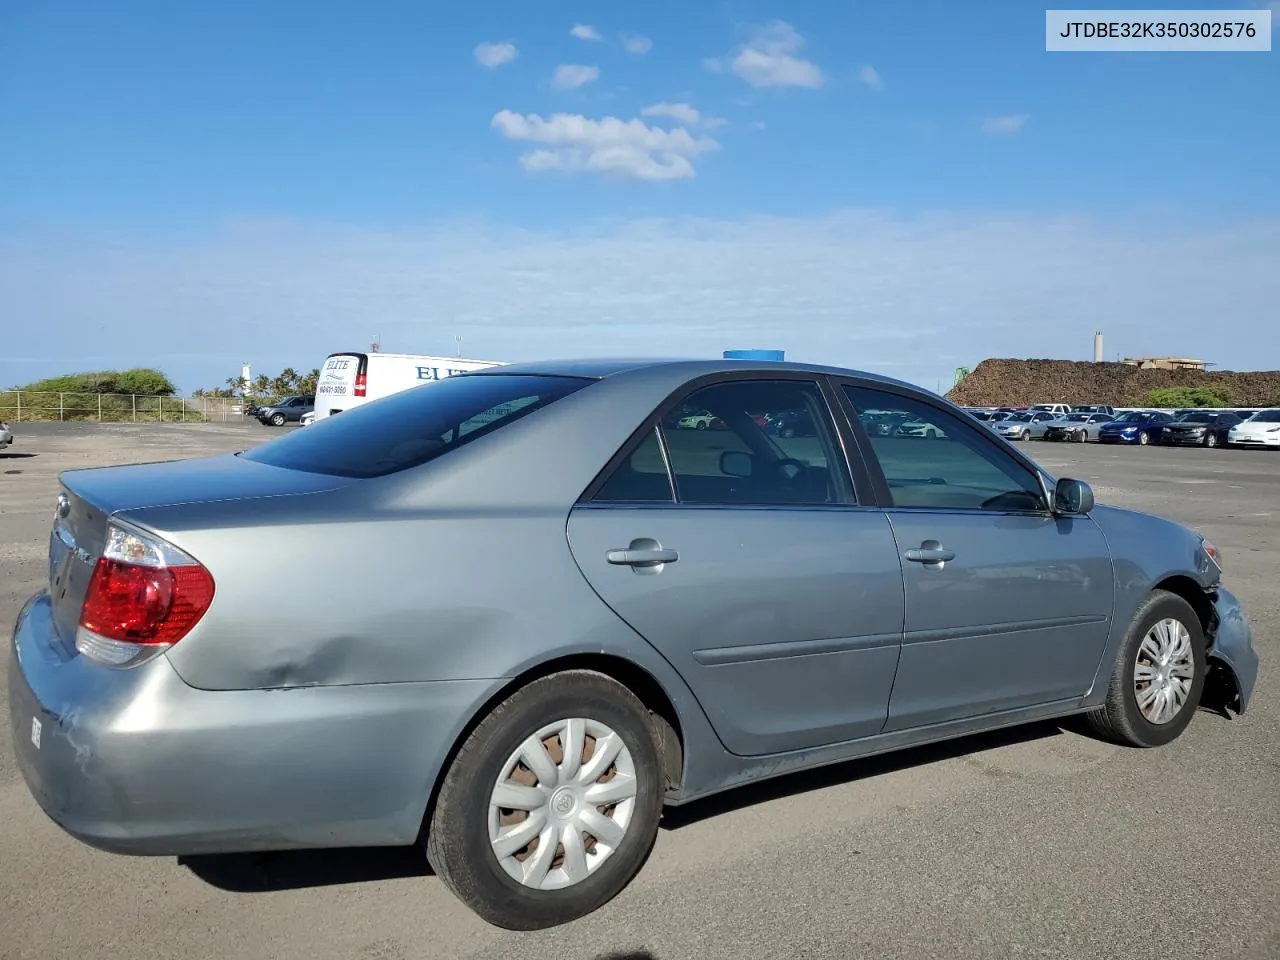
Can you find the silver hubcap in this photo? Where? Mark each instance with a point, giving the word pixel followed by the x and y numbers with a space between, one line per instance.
pixel 562 804
pixel 1164 670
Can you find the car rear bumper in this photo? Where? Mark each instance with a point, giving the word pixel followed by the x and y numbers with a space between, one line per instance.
pixel 1233 646
pixel 136 761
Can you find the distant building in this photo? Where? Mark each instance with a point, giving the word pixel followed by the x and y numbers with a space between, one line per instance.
pixel 1165 363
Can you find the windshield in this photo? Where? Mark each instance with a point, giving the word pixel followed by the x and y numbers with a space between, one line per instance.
pixel 1077 417
pixel 1020 417
pixel 1131 417
pixel 416 425
pixel 1193 417
pixel 1266 416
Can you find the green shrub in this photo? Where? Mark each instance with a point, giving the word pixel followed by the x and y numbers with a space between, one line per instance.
pixel 1200 397
pixel 140 381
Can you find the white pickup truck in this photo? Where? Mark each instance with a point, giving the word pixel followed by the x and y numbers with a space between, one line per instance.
pixel 1057 409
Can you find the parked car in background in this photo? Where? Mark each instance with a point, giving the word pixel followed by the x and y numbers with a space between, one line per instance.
pixel 1024 426
pixel 288 410
pixel 6 435
pixel 1095 408
pixel 1202 428
pixel 1260 430
pixel 1134 426
pixel 1077 427
pixel 492 654
pixel 1057 409
pixel 307 419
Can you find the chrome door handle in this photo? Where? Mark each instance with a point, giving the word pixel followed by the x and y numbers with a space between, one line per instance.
pixel 931 551
pixel 642 556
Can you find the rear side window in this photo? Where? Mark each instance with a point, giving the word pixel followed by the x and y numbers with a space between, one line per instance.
pixel 413 426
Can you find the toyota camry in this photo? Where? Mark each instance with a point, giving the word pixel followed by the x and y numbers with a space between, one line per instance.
pixel 510 616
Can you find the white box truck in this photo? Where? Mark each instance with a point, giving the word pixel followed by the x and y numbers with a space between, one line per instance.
pixel 350 379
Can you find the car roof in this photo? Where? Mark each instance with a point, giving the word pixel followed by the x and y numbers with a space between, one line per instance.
pixel 599 368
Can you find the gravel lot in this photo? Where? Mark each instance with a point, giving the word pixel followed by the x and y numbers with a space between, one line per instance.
pixel 1039 843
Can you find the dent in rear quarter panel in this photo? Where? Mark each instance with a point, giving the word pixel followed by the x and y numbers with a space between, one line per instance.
pixel 1145 551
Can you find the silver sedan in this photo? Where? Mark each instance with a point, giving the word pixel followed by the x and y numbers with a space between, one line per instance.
pixel 1077 427
pixel 1023 426
pixel 512 615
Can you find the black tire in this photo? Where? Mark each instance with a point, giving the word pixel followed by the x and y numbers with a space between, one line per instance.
pixel 1210 440
pixel 277 419
pixel 1026 435
pixel 1120 719
pixel 1144 438
pixel 458 845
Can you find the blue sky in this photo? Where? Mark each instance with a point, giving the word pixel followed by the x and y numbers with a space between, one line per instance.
pixel 900 187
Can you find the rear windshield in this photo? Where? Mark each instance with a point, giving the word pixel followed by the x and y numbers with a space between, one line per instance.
pixel 413 426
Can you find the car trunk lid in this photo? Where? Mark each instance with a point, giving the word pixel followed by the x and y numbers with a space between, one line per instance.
pixel 89 498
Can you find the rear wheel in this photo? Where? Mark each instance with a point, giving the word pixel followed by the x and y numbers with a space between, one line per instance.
pixel 1157 677
pixel 552 804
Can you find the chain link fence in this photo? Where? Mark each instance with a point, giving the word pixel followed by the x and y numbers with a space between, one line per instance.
pixel 18 406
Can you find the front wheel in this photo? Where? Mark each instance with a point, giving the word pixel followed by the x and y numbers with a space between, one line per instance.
pixel 277 419
pixel 552 804
pixel 1144 438
pixel 1157 677
pixel 1026 434
pixel 1210 440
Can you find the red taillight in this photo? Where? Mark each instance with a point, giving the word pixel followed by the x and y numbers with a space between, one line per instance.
pixel 138 604
pixel 144 596
pixel 362 384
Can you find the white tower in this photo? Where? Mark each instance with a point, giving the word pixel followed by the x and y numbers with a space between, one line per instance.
pixel 1097 347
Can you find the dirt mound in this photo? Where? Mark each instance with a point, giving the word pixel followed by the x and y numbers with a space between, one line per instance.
pixel 1020 383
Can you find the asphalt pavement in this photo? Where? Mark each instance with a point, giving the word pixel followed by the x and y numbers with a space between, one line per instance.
pixel 1040 842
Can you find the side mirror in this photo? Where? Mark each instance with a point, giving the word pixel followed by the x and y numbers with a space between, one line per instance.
pixel 736 463
pixel 1072 497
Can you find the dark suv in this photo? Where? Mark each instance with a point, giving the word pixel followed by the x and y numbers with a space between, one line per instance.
pixel 1201 428
pixel 288 410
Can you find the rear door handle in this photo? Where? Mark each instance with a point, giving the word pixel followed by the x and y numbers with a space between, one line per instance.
pixel 642 556
pixel 931 552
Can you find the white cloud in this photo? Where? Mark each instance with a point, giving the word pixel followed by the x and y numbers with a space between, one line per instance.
pixel 869 76
pixel 1005 126
pixel 584 32
pixel 494 54
pixel 676 111
pixel 768 60
pixel 914 297
pixel 570 76
pixel 636 43
pixel 625 149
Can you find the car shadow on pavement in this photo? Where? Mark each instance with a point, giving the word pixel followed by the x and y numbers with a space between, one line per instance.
pixel 850 771
pixel 18 456
pixel 300 869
